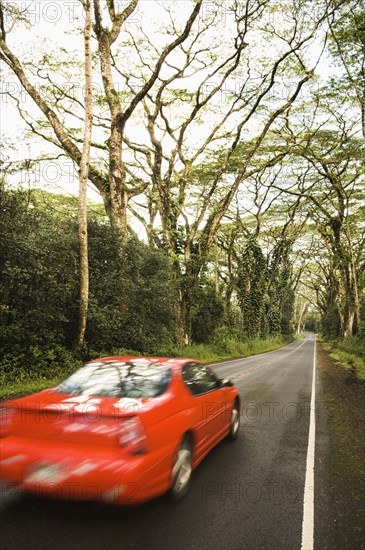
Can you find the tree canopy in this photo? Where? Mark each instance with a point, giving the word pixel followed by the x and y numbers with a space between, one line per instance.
pixel 231 136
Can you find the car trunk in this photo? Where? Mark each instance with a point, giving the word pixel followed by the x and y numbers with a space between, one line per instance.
pixel 77 420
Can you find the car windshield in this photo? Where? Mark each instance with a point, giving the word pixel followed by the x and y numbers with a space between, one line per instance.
pixel 135 378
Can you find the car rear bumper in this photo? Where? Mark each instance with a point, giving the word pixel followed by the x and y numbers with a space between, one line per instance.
pixel 80 472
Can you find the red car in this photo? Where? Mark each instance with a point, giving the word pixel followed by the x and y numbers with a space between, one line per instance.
pixel 120 429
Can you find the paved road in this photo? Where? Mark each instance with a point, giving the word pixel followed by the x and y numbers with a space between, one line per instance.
pixel 246 494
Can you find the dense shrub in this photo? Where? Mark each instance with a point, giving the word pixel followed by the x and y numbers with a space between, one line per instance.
pixel 38 274
pixel 207 314
pixel 37 362
pixel 131 294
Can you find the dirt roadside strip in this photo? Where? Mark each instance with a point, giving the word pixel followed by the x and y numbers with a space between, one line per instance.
pixel 340 458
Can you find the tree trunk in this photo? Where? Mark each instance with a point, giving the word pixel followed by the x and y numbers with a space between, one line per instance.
pixel 349 324
pixel 84 172
pixel 350 297
pixel 228 301
pixel 302 312
pixel 186 284
pixel 182 338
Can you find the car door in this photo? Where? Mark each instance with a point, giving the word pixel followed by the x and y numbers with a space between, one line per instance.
pixel 209 404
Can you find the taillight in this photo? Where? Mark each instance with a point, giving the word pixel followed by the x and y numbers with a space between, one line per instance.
pixel 6 416
pixel 132 435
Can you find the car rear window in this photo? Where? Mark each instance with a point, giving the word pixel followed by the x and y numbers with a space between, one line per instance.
pixel 119 379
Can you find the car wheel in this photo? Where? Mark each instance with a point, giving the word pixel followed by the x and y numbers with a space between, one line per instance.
pixel 182 471
pixel 235 422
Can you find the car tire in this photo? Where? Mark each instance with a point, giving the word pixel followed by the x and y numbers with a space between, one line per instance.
pixel 182 471
pixel 235 422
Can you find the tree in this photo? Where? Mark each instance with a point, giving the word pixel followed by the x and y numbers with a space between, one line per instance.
pixel 112 184
pixel 334 189
pixel 347 46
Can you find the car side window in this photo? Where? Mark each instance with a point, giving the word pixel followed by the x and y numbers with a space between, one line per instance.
pixel 198 378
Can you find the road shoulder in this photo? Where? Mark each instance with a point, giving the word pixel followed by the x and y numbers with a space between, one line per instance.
pixel 340 453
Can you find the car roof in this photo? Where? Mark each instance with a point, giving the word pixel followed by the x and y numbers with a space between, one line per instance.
pixel 173 361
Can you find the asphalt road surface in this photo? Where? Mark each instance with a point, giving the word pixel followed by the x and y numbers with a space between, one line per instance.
pixel 246 495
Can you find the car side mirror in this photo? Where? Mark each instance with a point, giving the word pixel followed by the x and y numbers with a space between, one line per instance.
pixel 225 383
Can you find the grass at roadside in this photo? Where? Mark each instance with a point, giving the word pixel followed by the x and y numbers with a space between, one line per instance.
pixel 28 386
pixel 348 352
pixel 228 349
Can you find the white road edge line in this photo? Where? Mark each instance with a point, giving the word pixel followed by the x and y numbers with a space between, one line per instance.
pixel 308 503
